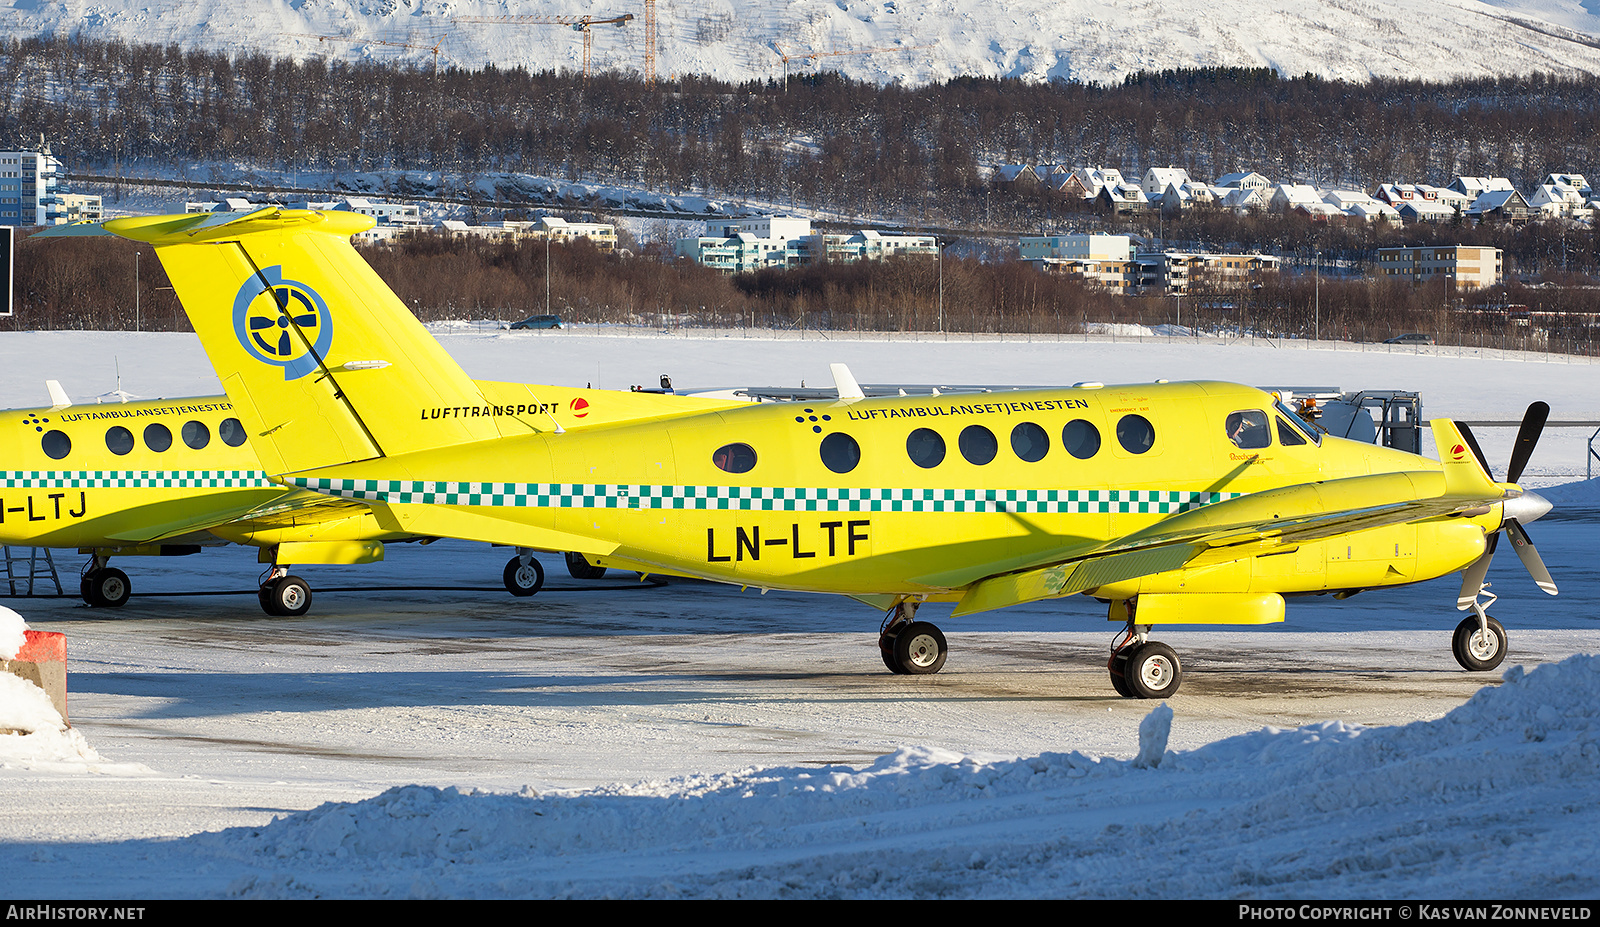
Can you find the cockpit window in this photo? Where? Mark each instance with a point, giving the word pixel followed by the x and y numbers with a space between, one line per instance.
pixel 1287 436
pixel 735 458
pixel 1248 429
pixel 1310 431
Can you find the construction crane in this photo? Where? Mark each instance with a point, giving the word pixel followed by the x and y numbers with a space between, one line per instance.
pixel 578 23
pixel 814 55
pixel 437 40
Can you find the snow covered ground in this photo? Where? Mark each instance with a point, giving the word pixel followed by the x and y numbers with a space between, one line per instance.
pixel 616 739
pixel 1037 40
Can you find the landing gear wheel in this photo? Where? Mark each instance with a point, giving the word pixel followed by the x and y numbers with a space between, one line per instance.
pixel 579 568
pixel 1477 649
pixel 1117 666
pixel 107 587
pixel 288 597
pixel 523 580
pixel 919 650
pixel 1149 670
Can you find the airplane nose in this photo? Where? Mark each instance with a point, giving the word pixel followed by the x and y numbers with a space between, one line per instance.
pixel 1526 507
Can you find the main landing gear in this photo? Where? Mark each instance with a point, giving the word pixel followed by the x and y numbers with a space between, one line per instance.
pixel 103 586
pixel 910 647
pixel 1143 668
pixel 282 595
pixel 524 574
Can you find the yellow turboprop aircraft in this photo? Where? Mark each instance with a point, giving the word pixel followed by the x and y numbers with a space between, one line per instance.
pixel 1175 503
pixel 169 476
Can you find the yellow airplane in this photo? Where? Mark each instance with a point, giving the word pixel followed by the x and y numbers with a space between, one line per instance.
pixel 1175 503
pixel 167 477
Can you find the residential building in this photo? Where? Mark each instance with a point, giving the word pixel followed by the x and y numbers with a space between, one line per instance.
pixel 1158 179
pixel 1038 249
pixel 1469 267
pixel 1474 187
pixel 1249 180
pixel 1178 273
pixel 871 245
pixel 81 207
pixel 29 193
pixel 1502 206
pixel 741 245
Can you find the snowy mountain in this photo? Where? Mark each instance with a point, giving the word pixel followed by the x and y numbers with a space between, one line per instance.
pixel 1087 40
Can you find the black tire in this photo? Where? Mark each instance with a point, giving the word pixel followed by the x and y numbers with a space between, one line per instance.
pixel 886 650
pixel 579 568
pixel 265 598
pixel 1152 670
pixel 920 649
pixel 83 588
pixel 289 597
pixel 1117 666
pixel 107 587
pixel 523 582
pixel 1479 652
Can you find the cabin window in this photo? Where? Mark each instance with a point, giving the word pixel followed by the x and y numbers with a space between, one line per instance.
pixel 119 440
pixel 1081 439
pixel 1247 429
pixel 1136 434
pixel 56 444
pixel 978 444
pixel 231 432
pixel 196 434
pixel 840 452
pixel 1030 442
pixel 925 447
pixel 157 437
pixel 1287 436
pixel 734 458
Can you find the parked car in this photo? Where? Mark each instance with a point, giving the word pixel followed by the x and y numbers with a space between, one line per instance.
pixel 538 321
pixel 1410 338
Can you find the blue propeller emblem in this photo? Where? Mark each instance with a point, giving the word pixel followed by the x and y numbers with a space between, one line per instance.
pixel 262 325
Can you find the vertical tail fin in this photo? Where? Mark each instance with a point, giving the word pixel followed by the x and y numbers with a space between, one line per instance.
pixel 323 363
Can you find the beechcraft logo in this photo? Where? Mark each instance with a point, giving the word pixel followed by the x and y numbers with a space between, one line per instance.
pixel 262 317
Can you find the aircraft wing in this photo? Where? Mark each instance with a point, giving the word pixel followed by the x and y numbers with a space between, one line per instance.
pixel 287 510
pixel 1249 526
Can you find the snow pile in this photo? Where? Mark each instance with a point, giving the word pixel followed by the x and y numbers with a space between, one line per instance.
pixel 1327 810
pixel 32 733
pixel 13 633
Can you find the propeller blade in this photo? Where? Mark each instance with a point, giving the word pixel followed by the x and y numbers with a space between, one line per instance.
pixel 1472 442
pixel 1527 436
pixel 258 322
pixel 1473 576
pixel 1523 545
pixel 284 344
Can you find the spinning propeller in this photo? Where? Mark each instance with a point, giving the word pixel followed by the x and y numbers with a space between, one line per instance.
pixel 1516 511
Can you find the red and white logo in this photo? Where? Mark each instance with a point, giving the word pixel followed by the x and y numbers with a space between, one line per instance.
pixel 579 407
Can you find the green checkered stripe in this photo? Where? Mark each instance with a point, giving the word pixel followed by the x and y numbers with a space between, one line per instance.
pixel 767 498
pixel 134 479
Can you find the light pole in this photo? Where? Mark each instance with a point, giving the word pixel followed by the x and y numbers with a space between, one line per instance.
pixel 136 290
pixel 547 272
pixel 939 251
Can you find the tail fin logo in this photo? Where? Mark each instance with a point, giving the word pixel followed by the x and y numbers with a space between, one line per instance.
pixel 261 323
